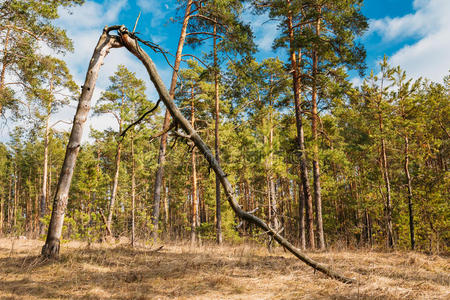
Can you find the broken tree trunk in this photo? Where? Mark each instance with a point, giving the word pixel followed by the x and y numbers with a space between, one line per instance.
pixel 105 43
pixel 132 45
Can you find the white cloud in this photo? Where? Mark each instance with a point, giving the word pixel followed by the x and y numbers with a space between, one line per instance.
pixel 430 24
pixel 155 9
pixel 263 28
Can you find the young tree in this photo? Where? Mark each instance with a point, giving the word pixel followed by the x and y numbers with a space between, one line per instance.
pixel 49 85
pixel 122 99
pixel 404 95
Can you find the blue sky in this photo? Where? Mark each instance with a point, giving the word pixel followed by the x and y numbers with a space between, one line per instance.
pixel 415 34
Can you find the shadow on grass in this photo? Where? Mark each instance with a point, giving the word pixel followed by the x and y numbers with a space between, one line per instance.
pixel 123 272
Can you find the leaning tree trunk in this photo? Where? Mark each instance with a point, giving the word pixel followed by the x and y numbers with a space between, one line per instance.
pixel 162 147
pixel 132 45
pixel 105 43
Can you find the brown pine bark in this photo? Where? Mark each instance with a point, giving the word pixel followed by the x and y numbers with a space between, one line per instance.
pixel 134 48
pixel 301 217
pixel 163 145
pixel 300 137
pixel 316 168
pixel 105 43
pixel 194 179
pixel 216 137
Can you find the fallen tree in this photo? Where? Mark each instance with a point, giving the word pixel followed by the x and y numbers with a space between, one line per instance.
pixel 131 42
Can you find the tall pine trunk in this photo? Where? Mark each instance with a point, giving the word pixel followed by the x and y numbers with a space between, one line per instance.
pixel 133 192
pixel 216 138
pixel 387 184
pixel 301 138
pixel 316 168
pixel 43 203
pixel 163 145
pixel 51 246
pixel 115 185
pixel 410 195
pixel 194 179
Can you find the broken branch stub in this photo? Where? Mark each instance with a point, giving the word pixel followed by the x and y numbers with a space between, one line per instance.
pixel 133 46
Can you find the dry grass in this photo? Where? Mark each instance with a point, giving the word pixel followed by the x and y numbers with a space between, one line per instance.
pixel 209 272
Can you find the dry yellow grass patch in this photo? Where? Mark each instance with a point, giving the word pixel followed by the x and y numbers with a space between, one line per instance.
pixel 210 272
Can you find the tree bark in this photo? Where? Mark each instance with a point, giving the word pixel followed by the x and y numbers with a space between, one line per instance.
pixel 316 168
pixel 194 179
pixel 133 191
pixel 133 46
pixel 162 147
pixel 105 43
pixel 301 217
pixel 390 234
pixel 301 138
pixel 115 186
pixel 43 204
pixel 216 137
pixel 2 206
pixel 410 195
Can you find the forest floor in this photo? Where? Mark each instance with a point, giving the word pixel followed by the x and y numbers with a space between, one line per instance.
pixel 105 271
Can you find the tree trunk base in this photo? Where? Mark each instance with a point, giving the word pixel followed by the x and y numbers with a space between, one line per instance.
pixel 51 249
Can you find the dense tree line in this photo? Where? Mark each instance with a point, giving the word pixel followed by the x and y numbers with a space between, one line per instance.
pixel 324 162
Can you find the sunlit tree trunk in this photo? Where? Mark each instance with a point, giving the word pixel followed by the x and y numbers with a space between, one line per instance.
pixel 194 179
pixel 301 138
pixel 162 147
pixel 389 229
pixel 316 168
pixel 44 197
pixel 216 137
pixel 410 195
pixel 133 192
pixel 115 183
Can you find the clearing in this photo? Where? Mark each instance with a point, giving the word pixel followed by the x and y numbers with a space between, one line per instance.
pixel 116 271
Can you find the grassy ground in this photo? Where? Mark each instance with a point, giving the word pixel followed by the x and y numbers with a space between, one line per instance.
pixel 210 272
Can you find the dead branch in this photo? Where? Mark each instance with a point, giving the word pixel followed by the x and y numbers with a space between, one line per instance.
pixel 140 118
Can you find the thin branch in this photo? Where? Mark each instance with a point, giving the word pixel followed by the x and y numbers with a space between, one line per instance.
pixel 137 20
pixel 140 119
pixel 61 121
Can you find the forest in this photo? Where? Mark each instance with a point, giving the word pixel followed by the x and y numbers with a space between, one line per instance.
pixel 294 144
